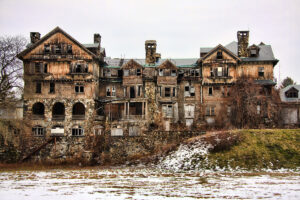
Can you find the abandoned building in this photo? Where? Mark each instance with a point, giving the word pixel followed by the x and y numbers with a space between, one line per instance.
pixel 73 89
pixel 290 98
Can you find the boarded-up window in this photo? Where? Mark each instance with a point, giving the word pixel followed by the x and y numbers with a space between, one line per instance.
pixel 189 111
pixel 126 72
pixel 134 131
pixel 167 110
pixel 116 132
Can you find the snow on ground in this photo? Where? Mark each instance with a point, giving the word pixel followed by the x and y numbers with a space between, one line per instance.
pixel 146 183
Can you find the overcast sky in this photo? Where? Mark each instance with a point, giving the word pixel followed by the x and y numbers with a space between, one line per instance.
pixel 180 27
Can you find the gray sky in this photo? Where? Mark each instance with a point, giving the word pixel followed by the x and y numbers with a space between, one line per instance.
pixel 180 27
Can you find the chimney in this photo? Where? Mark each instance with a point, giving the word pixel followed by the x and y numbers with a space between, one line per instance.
pixel 150 47
pixel 97 38
pixel 34 37
pixel 243 41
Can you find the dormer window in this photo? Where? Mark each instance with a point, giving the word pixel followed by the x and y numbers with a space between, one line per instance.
pixel 219 55
pixel 292 93
pixel 253 52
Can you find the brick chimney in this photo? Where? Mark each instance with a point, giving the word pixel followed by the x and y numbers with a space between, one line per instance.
pixel 243 41
pixel 97 38
pixel 34 37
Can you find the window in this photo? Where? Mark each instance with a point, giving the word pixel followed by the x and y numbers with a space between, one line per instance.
pixel 174 92
pixel 189 91
pixel 58 111
pixel 38 131
pixel 45 68
pixel 189 111
pixel 132 72
pixel 210 110
pixel 159 90
pixel 197 72
pixel 47 48
pixel 167 72
pixel 126 72
pixel 138 72
pixel 173 72
pixel 108 91
pixel 220 71
pixel 139 90
pixel 258 109
pixel 77 131
pixel 38 88
pixel 78 111
pixel 125 91
pixel 98 130
pixel 161 72
pixel 210 91
pixel 38 109
pixel 52 88
pixel 69 49
pixel 132 92
pixel 211 72
pixel 57 49
pixel 113 91
pixel 261 71
pixel 228 110
pixel 192 91
pixel 167 110
pixel 192 72
pixel 167 92
pixel 37 67
pixel 219 55
pixel 79 89
pixel 292 93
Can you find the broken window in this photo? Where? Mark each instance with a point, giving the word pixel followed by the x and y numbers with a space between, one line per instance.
pixel 261 71
pixel 45 68
pixel 210 111
pixel 219 55
pixel 52 87
pixel 47 48
pixel 78 111
pixel 138 72
pixel 210 91
pixel 58 111
pixel 189 91
pixel 38 88
pixel 108 91
pixel 79 89
pixel 192 91
pixel 211 72
pixel 113 91
pixel 69 49
pixel 38 67
pixel 38 109
pixel 126 72
pixel 77 131
pixel 167 72
pixel 98 130
pixel 173 72
pixel 161 72
pixel 132 72
pixel 132 92
pixel 57 49
pixel 167 110
pixel 38 131
pixel 192 72
pixel 167 92
pixel 197 72
pixel 78 68
pixel 258 109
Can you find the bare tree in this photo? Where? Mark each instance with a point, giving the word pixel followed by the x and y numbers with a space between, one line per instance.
pixel 287 81
pixel 11 68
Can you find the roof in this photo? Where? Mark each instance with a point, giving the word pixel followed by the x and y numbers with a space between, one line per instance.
pixel 94 45
pixel 283 91
pixel 265 82
pixel 219 47
pixel 179 62
pixel 48 35
pixel 265 53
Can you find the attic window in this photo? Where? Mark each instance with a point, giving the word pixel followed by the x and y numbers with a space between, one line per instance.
pixel 126 72
pixel 161 72
pixel 219 55
pixel 173 73
pixel 253 52
pixel 69 49
pixel 58 49
pixel 292 93
pixel 47 48
pixel 138 72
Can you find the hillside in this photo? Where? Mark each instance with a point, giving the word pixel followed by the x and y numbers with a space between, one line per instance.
pixel 238 149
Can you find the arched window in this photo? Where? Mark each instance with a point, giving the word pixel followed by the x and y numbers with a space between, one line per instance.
pixel 77 131
pixel 38 110
pixel 78 111
pixel 58 111
pixel 38 131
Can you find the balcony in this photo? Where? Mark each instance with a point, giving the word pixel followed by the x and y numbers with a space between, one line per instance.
pixel 58 117
pixel 78 117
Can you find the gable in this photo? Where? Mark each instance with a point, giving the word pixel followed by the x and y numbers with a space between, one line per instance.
pixel 131 64
pixel 57 37
pixel 167 65
pixel 212 55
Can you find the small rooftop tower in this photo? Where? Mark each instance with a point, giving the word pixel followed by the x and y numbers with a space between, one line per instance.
pixel 150 46
pixel 243 41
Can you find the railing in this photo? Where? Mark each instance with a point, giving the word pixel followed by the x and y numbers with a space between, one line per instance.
pixel 133 117
pixel 58 117
pixel 78 117
pixel 36 117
